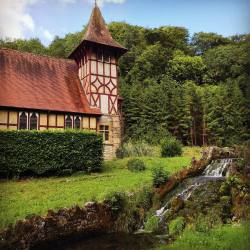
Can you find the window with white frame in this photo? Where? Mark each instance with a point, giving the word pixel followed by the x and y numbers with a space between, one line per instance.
pixel 77 122
pixel 68 122
pixel 33 121
pixel 104 130
pixel 23 121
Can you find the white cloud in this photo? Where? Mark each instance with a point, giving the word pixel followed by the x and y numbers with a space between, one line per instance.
pixel 102 2
pixel 48 35
pixel 15 19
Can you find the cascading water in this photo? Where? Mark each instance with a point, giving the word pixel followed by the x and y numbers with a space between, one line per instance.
pixel 216 170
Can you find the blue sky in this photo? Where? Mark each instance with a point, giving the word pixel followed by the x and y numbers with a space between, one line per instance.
pixel 46 18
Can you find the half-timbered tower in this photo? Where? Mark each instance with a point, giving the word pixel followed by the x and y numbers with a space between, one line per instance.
pixel 41 92
pixel 97 59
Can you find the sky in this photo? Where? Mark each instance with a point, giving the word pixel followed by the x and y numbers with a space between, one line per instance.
pixel 44 19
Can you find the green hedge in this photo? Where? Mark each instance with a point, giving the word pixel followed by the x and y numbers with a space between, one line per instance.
pixel 43 152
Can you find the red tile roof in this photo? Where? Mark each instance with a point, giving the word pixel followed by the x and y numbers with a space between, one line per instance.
pixel 41 82
pixel 98 32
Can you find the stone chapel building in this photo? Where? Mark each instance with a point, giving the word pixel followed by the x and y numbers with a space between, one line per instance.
pixel 40 92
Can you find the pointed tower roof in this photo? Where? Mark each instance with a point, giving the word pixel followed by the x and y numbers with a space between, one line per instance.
pixel 97 32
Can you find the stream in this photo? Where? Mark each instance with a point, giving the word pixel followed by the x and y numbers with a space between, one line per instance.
pixel 214 172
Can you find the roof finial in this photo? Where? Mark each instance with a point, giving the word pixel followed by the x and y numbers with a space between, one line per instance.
pixel 95 3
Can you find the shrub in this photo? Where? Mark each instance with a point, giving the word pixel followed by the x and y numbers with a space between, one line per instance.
pixel 152 224
pixel 136 165
pixel 176 226
pixel 160 176
pixel 116 201
pixel 53 152
pixel 170 147
pixel 136 149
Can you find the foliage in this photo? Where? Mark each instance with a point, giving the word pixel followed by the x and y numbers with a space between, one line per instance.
pixel 160 176
pixel 170 147
pixel 152 224
pixel 33 45
pixel 183 67
pixel 176 226
pixel 136 149
pixel 231 236
pixel 136 165
pixel 116 202
pixel 53 152
pixel 204 41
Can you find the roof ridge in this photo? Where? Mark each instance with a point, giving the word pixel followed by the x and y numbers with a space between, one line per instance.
pixel 37 55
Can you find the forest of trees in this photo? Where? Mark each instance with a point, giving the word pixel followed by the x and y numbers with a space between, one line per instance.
pixel 195 88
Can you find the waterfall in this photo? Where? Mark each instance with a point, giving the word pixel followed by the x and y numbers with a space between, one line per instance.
pixel 217 169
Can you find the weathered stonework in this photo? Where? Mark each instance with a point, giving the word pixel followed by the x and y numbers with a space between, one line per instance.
pixel 115 130
pixel 92 218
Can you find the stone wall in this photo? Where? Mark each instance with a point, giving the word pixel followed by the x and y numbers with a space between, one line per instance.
pixel 110 147
pixel 92 218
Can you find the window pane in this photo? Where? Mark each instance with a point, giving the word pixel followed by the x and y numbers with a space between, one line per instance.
pixel 33 122
pixel 68 122
pixel 106 135
pixel 106 57
pixel 77 123
pixel 99 56
pixel 23 121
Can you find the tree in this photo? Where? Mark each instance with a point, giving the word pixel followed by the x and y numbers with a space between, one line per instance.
pixel 183 67
pixel 33 45
pixel 151 64
pixel 202 41
pixel 225 62
pixel 173 38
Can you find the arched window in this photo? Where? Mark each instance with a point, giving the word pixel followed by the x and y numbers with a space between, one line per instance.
pixel 33 122
pixel 68 122
pixel 23 121
pixel 77 124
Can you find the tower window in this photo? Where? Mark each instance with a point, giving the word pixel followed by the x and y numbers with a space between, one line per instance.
pixel 68 122
pixel 23 121
pixel 77 124
pixel 99 55
pixel 33 122
pixel 104 130
pixel 106 57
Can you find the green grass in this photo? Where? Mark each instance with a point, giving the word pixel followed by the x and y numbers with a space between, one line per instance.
pixel 227 237
pixel 36 196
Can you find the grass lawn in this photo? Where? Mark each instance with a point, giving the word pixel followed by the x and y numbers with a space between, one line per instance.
pixel 227 237
pixel 35 196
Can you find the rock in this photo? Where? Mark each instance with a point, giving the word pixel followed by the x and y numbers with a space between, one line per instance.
pixel 176 204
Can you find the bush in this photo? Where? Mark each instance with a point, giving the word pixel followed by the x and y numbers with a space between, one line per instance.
pixel 170 147
pixel 176 226
pixel 152 224
pixel 136 165
pixel 53 152
pixel 116 202
pixel 136 149
pixel 160 176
